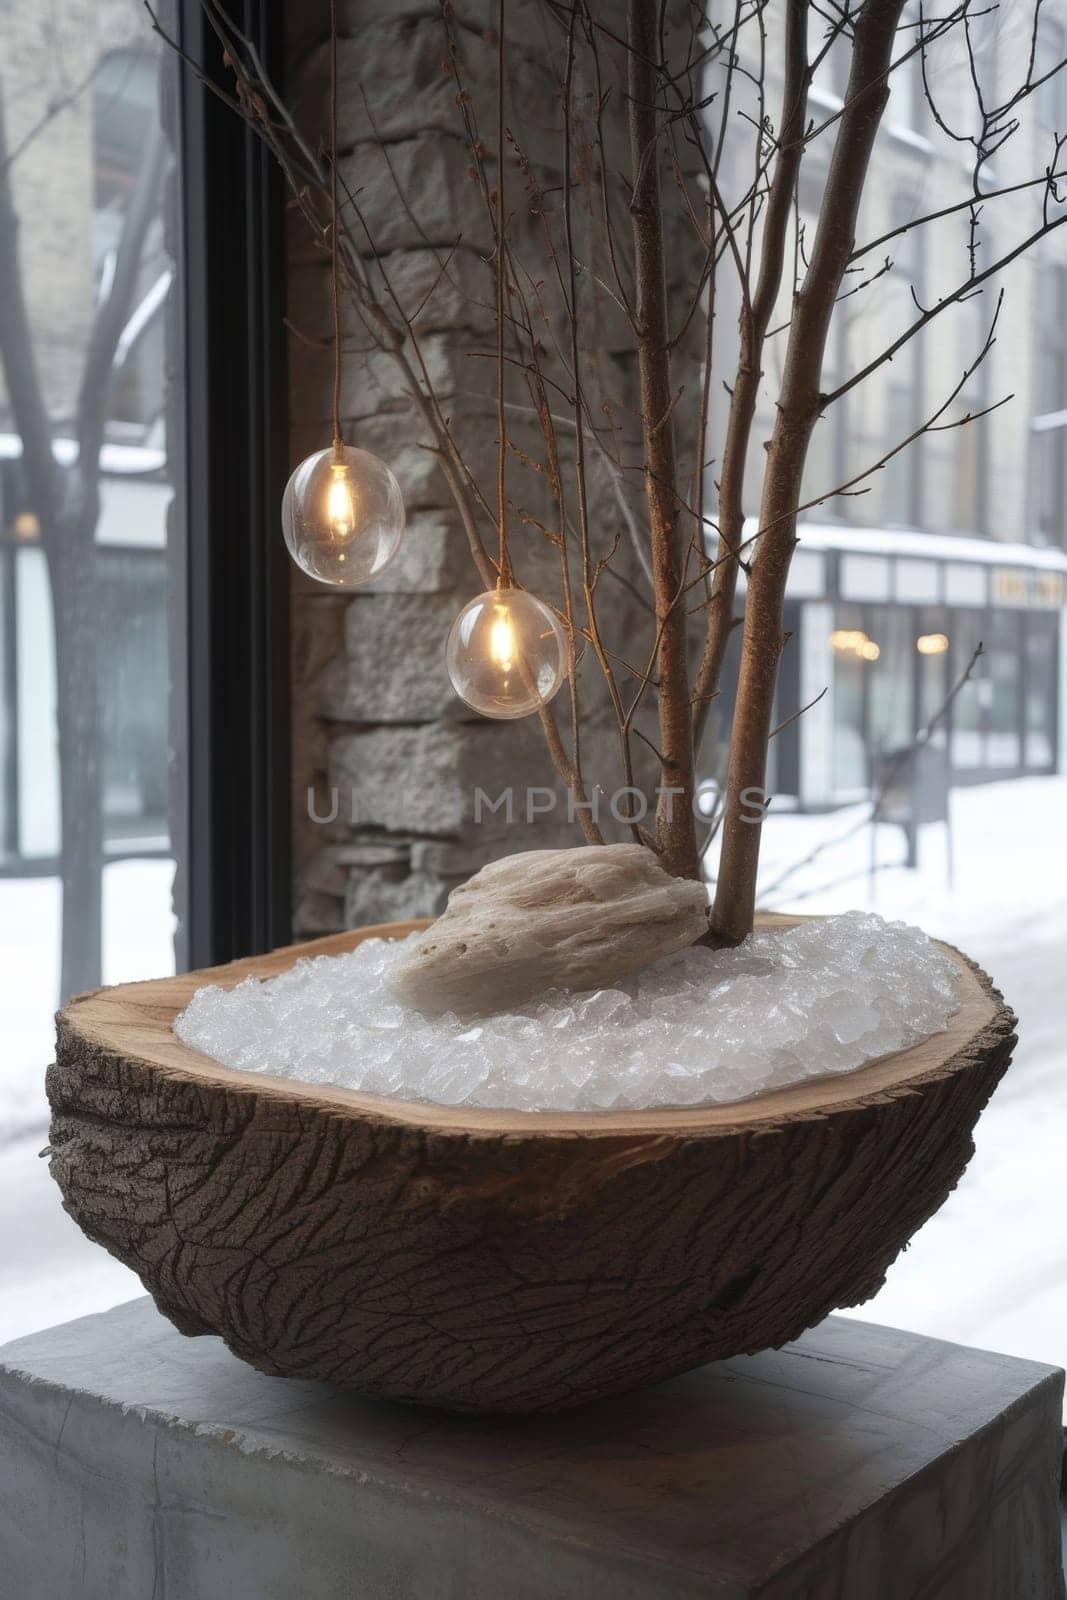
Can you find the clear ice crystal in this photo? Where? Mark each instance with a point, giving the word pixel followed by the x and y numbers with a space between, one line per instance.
pixel 700 1027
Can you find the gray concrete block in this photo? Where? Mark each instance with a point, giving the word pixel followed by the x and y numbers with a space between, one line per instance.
pixel 373 385
pixel 403 440
pixel 442 295
pixel 393 668
pixel 315 912
pixel 381 895
pixel 433 559
pixel 442 201
pixel 859 1463
pixel 424 778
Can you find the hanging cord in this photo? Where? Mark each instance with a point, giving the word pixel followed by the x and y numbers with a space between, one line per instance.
pixel 335 272
pixel 503 564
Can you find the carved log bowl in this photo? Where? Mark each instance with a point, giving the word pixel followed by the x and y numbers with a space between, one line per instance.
pixel 487 1260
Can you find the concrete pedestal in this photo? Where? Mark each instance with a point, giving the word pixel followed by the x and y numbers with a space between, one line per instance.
pixel 859 1463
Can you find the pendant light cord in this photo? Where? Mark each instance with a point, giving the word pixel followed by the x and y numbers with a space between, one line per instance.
pixel 335 223
pixel 503 564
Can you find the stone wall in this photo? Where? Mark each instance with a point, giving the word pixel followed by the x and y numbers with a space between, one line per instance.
pixel 386 758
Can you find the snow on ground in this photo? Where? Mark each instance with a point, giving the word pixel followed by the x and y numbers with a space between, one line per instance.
pixel 989 1269
pixel 138 928
pixel 49 1271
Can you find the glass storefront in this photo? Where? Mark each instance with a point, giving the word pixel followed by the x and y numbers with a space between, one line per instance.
pixel 1039 693
pixel 894 668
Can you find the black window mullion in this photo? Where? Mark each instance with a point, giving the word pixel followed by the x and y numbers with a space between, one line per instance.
pixel 237 871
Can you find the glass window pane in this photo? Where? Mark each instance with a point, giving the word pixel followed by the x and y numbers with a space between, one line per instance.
pixel 8 810
pixel 866 577
pixel 1052 93
pixel 971 455
pixel 967 740
pixel 906 100
pixel 917 580
pixel 965 585
pixel 891 679
pixel 36 753
pixel 899 473
pixel 1003 662
pixel 133 672
pixel 1040 645
pixel 87 474
pixel 970 439
pixel 850 736
pixel 1050 501
pixel 933 646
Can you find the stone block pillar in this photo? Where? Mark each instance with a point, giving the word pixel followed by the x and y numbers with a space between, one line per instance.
pixel 387 760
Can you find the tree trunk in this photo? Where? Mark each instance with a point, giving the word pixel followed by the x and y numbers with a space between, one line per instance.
pixel 72 572
pixel 67 505
pixel 755 321
pixel 799 405
pixel 675 822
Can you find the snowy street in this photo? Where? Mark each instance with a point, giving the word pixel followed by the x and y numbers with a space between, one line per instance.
pixel 990 1269
pixel 49 1272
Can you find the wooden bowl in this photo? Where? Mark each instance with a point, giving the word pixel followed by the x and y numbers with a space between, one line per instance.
pixel 493 1260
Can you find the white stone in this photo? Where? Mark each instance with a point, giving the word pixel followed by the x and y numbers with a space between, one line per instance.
pixel 543 918
pixel 700 1027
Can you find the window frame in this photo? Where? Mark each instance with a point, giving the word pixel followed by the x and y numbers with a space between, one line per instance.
pixel 234 893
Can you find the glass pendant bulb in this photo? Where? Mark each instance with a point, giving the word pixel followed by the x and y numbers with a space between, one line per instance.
pixel 342 516
pixel 506 653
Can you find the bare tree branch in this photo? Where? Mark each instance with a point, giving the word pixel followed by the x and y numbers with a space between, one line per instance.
pixel 20 364
pixel 798 410
pixel 675 827
pixel 755 318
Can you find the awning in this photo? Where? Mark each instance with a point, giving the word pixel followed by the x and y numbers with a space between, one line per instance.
pixel 905 566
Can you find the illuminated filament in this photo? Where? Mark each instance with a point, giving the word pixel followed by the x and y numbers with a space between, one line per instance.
pixel 341 503
pixel 502 640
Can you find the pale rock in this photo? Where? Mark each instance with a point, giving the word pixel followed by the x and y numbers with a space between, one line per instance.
pixel 546 919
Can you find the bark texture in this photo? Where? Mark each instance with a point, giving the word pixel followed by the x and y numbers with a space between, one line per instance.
pixel 490 1261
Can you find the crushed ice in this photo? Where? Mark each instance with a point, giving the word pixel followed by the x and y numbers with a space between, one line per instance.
pixel 700 1027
